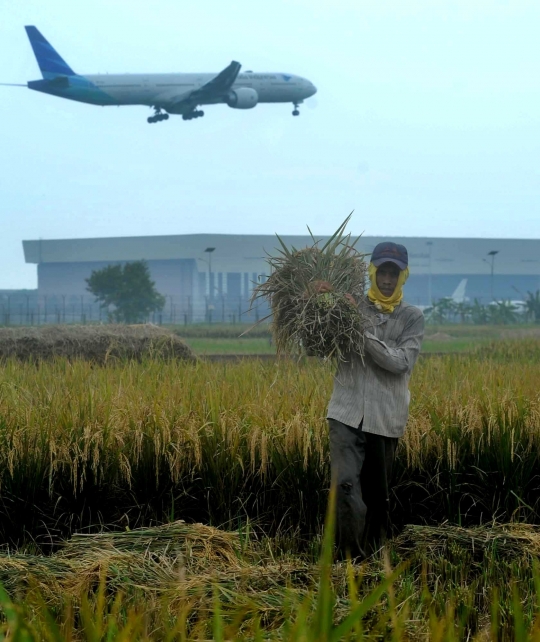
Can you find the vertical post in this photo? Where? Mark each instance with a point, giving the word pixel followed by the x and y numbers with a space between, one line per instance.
pixel 210 275
pixel 492 254
pixel 430 296
pixel 209 251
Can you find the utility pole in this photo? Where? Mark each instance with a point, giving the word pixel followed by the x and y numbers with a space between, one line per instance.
pixel 209 250
pixel 210 306
pixel 430 298
pixel 492 254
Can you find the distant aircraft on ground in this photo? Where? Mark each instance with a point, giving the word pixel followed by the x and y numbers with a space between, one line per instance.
pixel 165 93
pixel 458 296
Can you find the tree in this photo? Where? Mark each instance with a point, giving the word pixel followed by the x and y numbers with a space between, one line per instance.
pixel 479 313
pixel 502 312
pixel 463 309
pixel 128 288
pixel 442 310
pixel 533 305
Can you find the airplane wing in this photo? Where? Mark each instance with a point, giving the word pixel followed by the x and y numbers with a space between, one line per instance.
pixel 221 83
pixel 215 88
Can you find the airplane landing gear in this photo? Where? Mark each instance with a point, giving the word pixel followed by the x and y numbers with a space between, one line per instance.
pixel 193 114
pixel 295 110
pixel 157 117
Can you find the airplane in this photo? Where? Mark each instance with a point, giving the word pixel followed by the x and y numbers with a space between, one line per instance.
pixel 457 296
pixel 179 93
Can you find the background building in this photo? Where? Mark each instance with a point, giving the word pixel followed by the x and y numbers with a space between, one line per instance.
pixel 211 276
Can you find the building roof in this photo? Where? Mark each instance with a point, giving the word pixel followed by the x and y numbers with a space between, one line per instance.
pixel 246 253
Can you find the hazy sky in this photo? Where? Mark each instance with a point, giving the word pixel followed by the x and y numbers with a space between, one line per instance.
pixel 426 122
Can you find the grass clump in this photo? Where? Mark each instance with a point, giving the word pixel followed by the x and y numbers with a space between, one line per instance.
pixel 306 321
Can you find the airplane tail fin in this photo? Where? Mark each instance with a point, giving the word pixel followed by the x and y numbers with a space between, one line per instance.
pixel 459 293
pixel 49 61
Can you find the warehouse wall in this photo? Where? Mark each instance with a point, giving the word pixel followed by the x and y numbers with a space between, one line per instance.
pixel 172 277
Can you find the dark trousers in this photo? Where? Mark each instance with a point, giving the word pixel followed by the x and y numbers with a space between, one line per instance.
pixel 361 465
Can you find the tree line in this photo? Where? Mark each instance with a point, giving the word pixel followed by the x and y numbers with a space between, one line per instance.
pixel 496 312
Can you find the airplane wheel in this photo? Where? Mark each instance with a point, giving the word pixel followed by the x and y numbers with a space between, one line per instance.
pixel 150 119
pixel 201 113
pixel 165 116
pixel 296 113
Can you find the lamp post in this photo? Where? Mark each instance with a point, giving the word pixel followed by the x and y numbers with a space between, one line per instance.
pixel 209 250
pixel 210 305
pixel 430 299
pixel 491 254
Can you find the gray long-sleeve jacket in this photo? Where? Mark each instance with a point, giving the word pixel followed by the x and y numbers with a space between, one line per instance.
pixel 378 389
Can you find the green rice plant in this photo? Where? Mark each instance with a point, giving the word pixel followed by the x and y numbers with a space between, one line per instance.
pixel 306 321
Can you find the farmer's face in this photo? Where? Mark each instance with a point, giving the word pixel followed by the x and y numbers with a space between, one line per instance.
pixel 387 278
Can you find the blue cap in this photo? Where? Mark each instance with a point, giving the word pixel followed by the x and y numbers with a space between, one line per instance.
pixel 390 252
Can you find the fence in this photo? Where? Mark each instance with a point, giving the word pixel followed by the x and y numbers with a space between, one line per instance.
pixel 34 309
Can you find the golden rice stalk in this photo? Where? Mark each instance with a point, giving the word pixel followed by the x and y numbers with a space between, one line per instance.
pixel 308 322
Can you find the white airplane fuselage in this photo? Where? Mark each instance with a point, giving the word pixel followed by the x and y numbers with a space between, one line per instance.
pixel 159 89
pixel 180 93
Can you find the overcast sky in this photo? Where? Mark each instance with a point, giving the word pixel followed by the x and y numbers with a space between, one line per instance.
pixel 426 122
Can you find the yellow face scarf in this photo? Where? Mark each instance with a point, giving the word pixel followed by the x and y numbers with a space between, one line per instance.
pixel 386 304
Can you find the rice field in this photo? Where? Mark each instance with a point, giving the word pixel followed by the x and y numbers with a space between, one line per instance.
pixel 242 448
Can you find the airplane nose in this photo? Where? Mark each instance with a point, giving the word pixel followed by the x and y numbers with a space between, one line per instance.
pixel 312 89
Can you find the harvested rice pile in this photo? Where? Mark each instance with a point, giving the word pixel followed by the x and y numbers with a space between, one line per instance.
pixel 98 343
pixel 182 560
pixel 508 540
pixel 306 321
pixel 174 560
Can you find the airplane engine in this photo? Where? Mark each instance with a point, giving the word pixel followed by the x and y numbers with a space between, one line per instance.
pixel 243 98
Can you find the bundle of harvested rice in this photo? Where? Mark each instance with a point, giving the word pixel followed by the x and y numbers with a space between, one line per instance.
pixel 19 572
pixel 182 560
pixel 509 540
pixel 327 324
pixel 97 343
pixel 195 543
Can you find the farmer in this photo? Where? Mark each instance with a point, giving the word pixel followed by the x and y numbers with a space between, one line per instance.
pixel 370 404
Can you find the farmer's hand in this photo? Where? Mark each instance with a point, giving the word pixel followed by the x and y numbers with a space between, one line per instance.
pixel 320 287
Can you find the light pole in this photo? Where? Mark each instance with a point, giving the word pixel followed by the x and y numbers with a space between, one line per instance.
pixel 429 244
pixel 492 254
pixel 209 250
pixel 209 306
